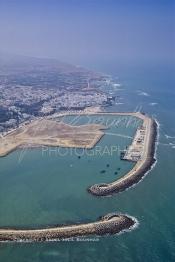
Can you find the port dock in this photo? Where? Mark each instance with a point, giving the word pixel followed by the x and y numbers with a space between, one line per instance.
pixel 140 151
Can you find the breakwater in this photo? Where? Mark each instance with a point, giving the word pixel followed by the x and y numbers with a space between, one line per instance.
pixel 138 171
pixel 109 224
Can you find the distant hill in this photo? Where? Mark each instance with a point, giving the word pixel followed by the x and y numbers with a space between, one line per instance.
pixel 43 72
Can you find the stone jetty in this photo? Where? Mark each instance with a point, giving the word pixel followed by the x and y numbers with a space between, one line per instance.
pixel 108 224
pixel 145 159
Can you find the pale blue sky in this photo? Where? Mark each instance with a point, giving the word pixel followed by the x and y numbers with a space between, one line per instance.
pixel 87 30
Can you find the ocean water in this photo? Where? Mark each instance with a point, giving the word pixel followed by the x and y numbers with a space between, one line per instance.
pixel 40 188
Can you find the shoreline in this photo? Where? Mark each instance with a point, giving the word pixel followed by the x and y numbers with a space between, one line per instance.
pixel 112 223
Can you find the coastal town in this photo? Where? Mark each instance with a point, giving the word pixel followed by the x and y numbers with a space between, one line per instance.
pixel 39 90
pixel 18 104
pixel 87 136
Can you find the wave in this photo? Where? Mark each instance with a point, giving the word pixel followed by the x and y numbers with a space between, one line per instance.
pixel 153 104
pixel 169 137
pixel 131 228
pixel 116 85
pixel 142 93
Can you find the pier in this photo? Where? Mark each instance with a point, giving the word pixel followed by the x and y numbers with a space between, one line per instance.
pixel 140 151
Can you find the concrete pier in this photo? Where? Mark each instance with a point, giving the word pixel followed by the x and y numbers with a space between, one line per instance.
pixel 144 163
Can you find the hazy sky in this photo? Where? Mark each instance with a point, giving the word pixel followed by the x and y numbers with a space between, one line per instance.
pixel 86 30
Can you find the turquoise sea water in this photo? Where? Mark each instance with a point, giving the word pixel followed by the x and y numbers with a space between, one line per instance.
pixel 42 188
pixel 49 185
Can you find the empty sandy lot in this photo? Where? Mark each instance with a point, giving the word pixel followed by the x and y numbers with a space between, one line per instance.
pixel 51 133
